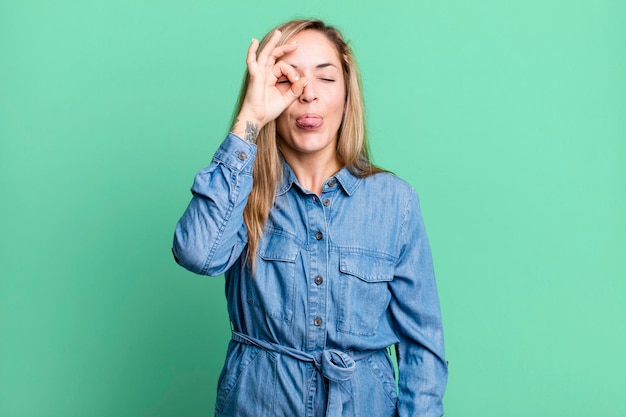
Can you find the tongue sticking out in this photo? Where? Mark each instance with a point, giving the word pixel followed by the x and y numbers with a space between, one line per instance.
pixel 309 121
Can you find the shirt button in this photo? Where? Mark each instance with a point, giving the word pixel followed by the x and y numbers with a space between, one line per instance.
pixel 326 202
pixel 331 183
pixel 242 156
pixel 319 280
pixel 319 236
pixel 317 321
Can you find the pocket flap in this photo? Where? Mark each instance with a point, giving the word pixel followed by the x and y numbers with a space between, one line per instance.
pixel 278 247
pixel 368 267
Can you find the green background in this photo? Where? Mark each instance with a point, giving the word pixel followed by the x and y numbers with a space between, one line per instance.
pixel 508 117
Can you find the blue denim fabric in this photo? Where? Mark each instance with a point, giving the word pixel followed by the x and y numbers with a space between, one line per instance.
pixel 339 278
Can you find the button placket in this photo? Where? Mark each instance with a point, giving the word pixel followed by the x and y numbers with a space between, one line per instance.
pixel 317 224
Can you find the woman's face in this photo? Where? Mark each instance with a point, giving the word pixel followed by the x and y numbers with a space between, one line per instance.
pixel 310 124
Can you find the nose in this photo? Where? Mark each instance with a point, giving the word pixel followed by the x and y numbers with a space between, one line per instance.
pixel 308 95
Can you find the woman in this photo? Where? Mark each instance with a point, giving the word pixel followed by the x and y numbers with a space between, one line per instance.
pixel 325 255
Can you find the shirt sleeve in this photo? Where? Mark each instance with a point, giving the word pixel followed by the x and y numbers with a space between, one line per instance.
pixel 423 370
pixel 211 233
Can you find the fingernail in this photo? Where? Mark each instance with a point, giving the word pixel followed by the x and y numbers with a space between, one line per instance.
pixel 293 42
pixel 297 77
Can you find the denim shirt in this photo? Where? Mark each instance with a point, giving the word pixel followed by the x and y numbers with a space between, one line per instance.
pixel 338 278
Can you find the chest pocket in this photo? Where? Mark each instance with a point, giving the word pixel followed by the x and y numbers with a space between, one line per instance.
pixel 364 291
pixel 273 286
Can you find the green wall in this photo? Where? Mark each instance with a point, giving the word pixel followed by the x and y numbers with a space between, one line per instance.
pixel 509 118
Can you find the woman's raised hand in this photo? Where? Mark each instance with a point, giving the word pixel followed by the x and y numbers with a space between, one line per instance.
pixel 264 100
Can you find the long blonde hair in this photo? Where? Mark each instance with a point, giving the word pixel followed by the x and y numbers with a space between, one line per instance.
pixel 351 145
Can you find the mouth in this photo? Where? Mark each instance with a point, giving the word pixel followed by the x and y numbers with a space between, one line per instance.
pixel 309 121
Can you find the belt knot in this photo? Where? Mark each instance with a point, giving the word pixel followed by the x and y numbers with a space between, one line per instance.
pixel 334 365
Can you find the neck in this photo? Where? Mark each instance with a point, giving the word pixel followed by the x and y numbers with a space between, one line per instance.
pixel 313 170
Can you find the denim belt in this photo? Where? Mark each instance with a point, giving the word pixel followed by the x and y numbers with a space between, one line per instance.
pixel 334 365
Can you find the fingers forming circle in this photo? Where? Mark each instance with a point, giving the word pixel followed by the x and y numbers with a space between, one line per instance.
pixel 282 68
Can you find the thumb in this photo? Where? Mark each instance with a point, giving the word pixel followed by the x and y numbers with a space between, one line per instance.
pixel 297 88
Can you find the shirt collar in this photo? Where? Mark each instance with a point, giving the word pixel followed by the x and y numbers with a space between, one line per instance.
pixel 344 177
pixel 348 180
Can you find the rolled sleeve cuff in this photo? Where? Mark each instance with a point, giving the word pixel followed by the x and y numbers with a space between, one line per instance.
pixel 237 154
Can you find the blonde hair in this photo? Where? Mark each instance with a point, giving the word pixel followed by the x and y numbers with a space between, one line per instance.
pixel 351 145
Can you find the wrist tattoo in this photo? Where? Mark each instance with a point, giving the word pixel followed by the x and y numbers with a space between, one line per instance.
pixel 251 132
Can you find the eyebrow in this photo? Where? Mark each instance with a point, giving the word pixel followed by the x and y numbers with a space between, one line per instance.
pixel 319 66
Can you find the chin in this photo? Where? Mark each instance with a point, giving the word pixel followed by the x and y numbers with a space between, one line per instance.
pixel 311 145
